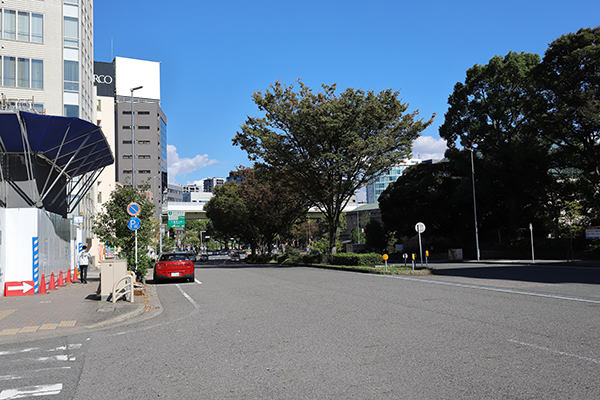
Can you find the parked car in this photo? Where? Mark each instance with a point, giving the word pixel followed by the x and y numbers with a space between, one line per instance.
pixel 203 257
pixel 235 256
pixel 175 265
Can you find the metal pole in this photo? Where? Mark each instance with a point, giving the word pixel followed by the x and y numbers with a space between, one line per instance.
pixel 136 254
pixel 358 223
pixel 420 250
pixel 532 251
pixel 475 205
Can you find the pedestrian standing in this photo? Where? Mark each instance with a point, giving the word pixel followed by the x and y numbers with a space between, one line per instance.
pixel 84 262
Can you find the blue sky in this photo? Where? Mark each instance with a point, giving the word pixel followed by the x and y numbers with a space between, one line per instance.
pixel 214 55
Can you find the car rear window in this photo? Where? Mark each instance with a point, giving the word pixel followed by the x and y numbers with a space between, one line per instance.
pixel 174 257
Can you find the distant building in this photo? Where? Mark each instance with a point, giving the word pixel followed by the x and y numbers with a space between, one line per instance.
pixel 175 193
pixel 375 189
pixel 208 184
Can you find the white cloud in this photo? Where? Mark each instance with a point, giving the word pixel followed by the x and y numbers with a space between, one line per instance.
pixel 427 147
pixel 181 166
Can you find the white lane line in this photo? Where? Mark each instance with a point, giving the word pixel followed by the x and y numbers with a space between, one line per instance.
pixel 198 282
pixel 187 296
pixel 495 289
pixel 6 353
pixel 562 353
pixel 30 391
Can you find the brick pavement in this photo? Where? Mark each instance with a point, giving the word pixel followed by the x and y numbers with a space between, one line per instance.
pixel 74 305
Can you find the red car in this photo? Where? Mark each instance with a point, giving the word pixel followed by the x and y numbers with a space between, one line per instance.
pixel 176 265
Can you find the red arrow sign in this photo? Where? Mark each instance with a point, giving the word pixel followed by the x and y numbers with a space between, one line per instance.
pixel 24 288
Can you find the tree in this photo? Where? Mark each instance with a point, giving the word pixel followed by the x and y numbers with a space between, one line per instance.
pixel 569 79
pixel 326 146
pixel 272 207
pixel 491 114
pixel 111 226
pixel 426 193
pixel 229 214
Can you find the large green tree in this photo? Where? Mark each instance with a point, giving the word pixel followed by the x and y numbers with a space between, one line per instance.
pixel 110 226
pixel 273 207
pixel 326 146
pixel 569 79
pixel 439 195
pixel 491 113
pixel 229 214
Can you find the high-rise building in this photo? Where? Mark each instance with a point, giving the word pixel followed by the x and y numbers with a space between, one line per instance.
pixel 42 41
pixel 377 187
pixel 148 139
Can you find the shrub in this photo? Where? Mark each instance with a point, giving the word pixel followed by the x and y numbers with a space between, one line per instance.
pixel 345 259
pixel 312 259
pixel 370 259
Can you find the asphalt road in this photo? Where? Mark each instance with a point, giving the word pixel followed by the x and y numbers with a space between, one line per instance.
pixel 470 332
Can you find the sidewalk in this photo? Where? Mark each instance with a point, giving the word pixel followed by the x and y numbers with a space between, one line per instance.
pixel 68 309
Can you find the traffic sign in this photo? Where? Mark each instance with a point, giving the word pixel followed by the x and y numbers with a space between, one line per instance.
pixel 133 209
pixel 24 288
pixel 176 219
pixel 420 227
pixel 134 223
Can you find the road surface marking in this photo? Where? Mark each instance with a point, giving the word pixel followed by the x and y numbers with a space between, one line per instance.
pixel 562 353
pixel 31 391
pixel 495 289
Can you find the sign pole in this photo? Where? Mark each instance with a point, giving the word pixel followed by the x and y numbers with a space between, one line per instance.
pixel 420 228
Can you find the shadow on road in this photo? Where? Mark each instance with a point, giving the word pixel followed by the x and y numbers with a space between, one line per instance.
pixel 526 273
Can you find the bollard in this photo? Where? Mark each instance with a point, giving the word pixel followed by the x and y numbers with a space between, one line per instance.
pixel 413 261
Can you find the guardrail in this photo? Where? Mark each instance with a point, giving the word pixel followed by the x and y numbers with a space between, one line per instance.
pixel 123 287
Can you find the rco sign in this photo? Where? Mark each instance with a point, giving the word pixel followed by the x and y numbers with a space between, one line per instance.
pixel 105 79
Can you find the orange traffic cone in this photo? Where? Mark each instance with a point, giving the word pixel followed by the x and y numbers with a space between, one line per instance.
pixel 68 276
pixel 61 281
pixel 42 286
pixel 52 285
pixel 74 274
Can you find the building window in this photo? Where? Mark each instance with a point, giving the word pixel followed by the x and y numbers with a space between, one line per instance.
pixel 37 28
pixel 37 74
pixel 126 141
pixel 71 32
pixel 143 141
pixel 10 71
pixel 23 72
pixel 71 110
pixel 144 171
pixel 23 26
pixel 10 24
pixel 143 113
pixel 127 171
pixel 143 127
pixel 71 76
pixel 127 156
pixel 144 156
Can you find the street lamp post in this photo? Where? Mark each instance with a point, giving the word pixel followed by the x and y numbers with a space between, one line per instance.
pixel 133 136
pixel 475 205
pixel 201 244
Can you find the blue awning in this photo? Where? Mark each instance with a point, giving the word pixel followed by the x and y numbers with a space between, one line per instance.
pixel 72 145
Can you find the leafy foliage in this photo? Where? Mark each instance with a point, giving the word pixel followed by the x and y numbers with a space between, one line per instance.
pixel 326 146
pixel 111 226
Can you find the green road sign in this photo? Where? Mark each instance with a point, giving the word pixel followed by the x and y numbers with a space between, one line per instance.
pixel 176 219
